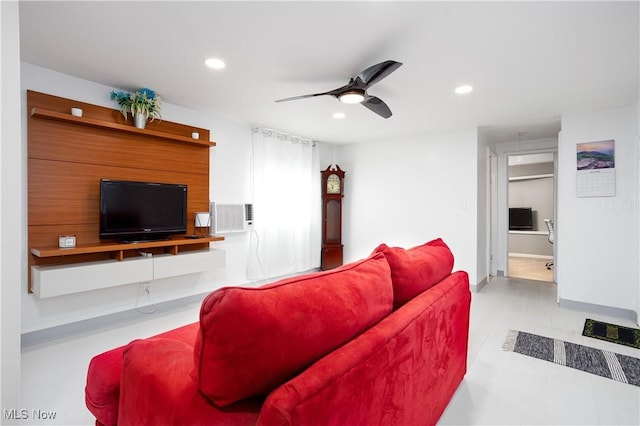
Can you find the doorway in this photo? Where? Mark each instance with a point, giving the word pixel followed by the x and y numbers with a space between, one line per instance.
pixel 531 205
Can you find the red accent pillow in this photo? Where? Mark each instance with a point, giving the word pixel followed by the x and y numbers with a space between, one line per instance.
pixel 252 340
pixel 416 269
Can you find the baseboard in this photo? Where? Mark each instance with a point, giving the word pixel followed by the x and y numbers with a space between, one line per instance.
pixel 477 287
pixel 599 309
pixel 60 331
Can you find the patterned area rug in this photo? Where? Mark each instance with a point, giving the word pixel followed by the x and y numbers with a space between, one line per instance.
pixel 612 365
pixel 612 333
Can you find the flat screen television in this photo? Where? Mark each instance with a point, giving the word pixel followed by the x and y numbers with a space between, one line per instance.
pixel 520 219
pixel 140 211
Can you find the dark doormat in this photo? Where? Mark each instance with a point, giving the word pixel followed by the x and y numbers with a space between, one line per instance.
pixel 612 333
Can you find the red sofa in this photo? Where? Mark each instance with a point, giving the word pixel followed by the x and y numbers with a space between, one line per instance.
pixel 381 341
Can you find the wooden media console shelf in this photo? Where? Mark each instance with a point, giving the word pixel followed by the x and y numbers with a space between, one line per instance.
pixel 118 250
pixel 67 158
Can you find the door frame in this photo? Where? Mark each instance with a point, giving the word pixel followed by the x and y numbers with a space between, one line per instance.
pixel 500 250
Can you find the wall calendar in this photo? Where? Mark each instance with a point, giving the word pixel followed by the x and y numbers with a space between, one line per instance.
pixel 596 172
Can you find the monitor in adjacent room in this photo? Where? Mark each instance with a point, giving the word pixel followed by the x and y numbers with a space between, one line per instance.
pixel 520 219
pixel 140 211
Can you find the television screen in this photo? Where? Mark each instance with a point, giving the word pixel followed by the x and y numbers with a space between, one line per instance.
pixel 520 219
pixel 138 211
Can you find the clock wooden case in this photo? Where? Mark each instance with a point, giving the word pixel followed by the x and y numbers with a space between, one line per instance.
pixel 332 194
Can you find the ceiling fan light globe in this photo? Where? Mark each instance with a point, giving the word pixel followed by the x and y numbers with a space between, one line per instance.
pixel 215 63
pixel 351 98
pixel 463 90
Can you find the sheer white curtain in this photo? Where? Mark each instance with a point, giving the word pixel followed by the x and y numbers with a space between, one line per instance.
pixel 286 201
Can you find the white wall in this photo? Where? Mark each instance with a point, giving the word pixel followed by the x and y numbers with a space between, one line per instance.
pixel 230 182
pixel 536 193
pixel 408 191
pixel 597 250
pixel 11 219
pixel 484 211
pixel 403 193
pixel 637 192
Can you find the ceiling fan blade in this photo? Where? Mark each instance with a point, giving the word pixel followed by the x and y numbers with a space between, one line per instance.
pixel 377 72
pixel 301 97
pixel 334 92
pixel 376 105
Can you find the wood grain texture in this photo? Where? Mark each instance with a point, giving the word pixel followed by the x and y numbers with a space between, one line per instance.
pixel 68 156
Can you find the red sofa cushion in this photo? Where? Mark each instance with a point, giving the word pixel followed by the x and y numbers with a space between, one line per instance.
pixel 253 339
pixel 157 390
pixel 416 269
pixel 102 391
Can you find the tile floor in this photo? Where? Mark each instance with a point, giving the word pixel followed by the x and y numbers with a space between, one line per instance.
pixel 506 388
pixel 499 388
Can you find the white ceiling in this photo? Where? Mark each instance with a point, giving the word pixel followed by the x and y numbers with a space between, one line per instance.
pixel 529 62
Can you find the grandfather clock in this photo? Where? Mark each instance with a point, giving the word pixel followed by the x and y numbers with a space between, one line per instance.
pixel 332 193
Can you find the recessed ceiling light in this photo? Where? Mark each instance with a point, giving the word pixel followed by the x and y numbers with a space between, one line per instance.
pixel 463 90
pixel 339 115
pixel 215 63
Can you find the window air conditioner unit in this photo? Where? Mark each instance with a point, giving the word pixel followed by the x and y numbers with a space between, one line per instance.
pixel 228 218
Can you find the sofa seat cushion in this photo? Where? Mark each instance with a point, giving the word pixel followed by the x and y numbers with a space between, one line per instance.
pixel 251 340
pixel 416 269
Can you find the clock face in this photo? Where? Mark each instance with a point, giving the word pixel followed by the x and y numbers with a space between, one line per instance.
pixel 333 184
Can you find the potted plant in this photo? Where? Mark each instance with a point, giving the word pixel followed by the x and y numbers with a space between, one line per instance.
pixel 144 104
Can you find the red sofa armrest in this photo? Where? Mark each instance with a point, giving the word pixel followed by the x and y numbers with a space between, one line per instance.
pixel 102 391
pixel 402 371
pixel 157 389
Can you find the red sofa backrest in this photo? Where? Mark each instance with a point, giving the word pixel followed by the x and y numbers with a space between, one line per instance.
pixel 416 269
pixel 251 340
pixel 402 371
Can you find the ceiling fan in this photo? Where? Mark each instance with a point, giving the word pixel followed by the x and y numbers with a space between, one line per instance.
pixel 355 91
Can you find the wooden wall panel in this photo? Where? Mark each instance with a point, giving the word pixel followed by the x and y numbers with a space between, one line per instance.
pixel 75 196
pixel 68 142
pixel 67 159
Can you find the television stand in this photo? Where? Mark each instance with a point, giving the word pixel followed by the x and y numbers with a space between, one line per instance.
pixel 129 264
pixel 118 250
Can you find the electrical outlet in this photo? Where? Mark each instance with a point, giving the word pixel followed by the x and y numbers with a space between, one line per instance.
pixel 144 303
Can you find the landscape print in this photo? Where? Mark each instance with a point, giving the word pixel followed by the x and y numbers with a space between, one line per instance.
pixel 596 155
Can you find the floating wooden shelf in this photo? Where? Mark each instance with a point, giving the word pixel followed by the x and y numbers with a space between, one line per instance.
pixel 117 249
pixel 68 155
pixel 59 116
